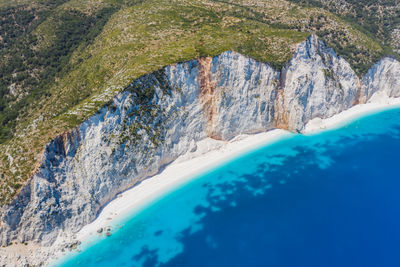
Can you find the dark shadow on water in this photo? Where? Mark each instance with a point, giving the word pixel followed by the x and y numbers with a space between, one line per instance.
pixel 338 216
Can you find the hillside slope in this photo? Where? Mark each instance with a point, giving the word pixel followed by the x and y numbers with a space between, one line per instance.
pixel 67 59
pixel 377 18
pixel 161 116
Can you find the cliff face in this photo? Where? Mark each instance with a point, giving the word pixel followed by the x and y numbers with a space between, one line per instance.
pixel 243 96
pixel 162 115
pixel 383 77
pixel 316 83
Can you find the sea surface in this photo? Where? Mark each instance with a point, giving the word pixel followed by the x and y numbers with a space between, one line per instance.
pixel 331 199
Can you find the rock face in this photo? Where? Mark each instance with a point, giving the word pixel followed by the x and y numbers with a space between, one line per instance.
pixel 162 115
pixel 242 96
pixel 315 83
pixel 383 77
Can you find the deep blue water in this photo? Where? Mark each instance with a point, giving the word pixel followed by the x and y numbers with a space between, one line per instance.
pixel 331 199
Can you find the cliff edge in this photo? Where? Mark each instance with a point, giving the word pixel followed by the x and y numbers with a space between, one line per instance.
pixel 162 115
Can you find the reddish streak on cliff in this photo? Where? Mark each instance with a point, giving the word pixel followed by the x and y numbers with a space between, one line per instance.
pixel 358 94
pixel 207 94
pixel 280 114
pixel 281 120
pixel 38 163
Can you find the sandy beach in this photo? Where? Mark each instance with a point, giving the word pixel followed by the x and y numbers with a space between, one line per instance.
pixel 209 154
pixel 378 103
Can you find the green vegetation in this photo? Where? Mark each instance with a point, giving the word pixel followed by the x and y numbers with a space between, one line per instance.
pixel 145 116
pixel 16 25
pixel 376 19
pixel 65 59
pixel 328 73
pixel 30 69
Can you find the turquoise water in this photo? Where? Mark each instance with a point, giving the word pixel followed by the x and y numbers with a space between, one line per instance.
pixel 330 199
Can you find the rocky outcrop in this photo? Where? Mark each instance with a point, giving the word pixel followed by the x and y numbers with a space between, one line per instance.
pixel 162 115
pixel 244 90
pixel 383 77
pixel 316 83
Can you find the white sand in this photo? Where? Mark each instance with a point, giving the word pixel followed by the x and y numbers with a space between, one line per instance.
pixel 378 103
pixel 210 154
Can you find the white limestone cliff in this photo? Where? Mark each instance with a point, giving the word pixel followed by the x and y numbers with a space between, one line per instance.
pixel 164 114
pixel 315 83
pixel 383 77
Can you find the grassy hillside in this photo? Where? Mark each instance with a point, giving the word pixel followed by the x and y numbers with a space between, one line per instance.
pixel 379 18
pixel 36 45
pixel 74 56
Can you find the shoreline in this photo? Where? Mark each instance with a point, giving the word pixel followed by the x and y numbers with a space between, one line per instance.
pixel 377 104
pixel 209 154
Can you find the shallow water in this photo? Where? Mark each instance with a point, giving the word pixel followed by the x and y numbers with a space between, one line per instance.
pixel 325 200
